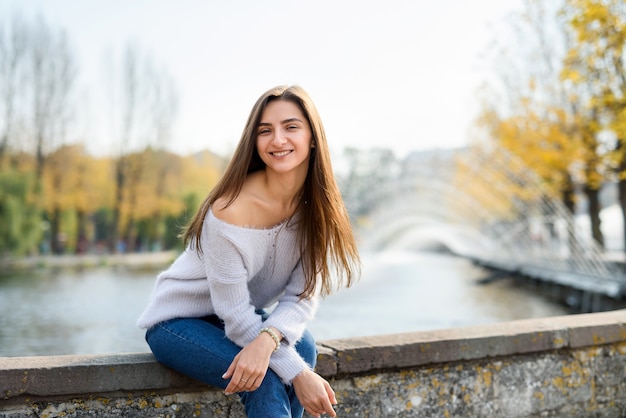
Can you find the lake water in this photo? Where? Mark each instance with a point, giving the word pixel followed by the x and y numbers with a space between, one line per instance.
pixel 93 311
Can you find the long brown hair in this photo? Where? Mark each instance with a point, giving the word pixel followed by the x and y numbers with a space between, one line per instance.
pixel 324 229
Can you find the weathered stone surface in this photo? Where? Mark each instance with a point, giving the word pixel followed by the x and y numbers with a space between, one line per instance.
pixel 428 347
pixel 326 361
pixel 61 375
pixel 572 366
pixel 555 384
pixel 205 404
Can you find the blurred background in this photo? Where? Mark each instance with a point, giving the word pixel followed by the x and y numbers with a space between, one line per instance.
pixel 460 132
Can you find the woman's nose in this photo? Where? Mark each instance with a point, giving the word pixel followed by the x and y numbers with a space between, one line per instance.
pixel 279 137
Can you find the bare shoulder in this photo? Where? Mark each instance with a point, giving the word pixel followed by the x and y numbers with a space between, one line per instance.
pixel 234 213
pixel 242 211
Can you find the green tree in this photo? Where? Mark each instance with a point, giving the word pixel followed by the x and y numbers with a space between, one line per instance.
pixel 20 221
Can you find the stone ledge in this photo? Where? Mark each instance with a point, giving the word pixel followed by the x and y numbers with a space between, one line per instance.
pixel 96 374
pixel 381 352
pixel 63 375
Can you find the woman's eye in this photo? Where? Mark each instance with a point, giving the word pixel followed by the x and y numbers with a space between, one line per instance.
pixel 263 131
pixel 291 127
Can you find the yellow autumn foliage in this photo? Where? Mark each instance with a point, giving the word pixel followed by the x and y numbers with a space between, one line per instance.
pixel 158 183
pixel 556 132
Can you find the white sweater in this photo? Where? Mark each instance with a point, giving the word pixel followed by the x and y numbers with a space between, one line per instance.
pixel 239 271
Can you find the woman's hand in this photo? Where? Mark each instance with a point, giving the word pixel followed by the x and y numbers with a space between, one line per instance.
pixel 248 369
pixel 315 394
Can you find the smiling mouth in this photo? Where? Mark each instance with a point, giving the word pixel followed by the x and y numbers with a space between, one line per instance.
pixel 280 153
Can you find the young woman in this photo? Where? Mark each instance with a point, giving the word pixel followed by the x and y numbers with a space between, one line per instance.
pixel 231 311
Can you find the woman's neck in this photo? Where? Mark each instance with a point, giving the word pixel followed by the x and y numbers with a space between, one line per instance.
pixel 283 190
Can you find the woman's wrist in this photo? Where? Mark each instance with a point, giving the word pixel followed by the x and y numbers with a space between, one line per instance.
pixel 306 372
pixel 274 334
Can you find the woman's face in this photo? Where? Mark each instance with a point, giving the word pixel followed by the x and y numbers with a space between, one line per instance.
pixel 284 137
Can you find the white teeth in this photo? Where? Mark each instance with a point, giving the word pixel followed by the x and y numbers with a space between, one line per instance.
pixel 280 153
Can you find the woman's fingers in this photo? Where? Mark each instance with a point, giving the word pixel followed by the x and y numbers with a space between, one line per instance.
pixel 249 366
pixel 250 384
pixel 315 394
pixel 331 393
pixel 320 409
pixel 244 376
pixel 234 375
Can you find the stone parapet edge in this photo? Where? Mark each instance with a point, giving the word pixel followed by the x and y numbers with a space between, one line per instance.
pixel 96 374
pixel 384 352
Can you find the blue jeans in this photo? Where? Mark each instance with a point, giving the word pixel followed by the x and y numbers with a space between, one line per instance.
pixel 199 349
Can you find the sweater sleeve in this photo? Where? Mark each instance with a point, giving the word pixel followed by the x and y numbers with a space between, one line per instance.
pixel 228 284
pixel 290 317
pixel 292 313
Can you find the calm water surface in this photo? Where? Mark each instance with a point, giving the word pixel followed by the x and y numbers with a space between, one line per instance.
pixel 94 310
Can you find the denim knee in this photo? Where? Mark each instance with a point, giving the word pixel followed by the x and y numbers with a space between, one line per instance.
pixel 193 347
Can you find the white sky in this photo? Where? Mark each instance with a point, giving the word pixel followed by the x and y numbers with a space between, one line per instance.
pixel 400 74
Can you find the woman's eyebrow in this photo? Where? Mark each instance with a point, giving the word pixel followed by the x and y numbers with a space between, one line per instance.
pixel 282 122
pixel 291 120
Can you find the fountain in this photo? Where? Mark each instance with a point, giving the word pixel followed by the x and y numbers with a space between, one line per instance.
pixel 487 206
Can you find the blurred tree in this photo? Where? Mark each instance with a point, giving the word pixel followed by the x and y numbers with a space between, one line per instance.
pixel 148 100
pixel 51 78
pixel 93 191
pixel 164 107
pixel 80 209
pixel 20 221
pixel 75 183
pixel 37 75
pixel 525 109
pixel 13 61
pixel 548 119
pixel 596 61
pixel 130 98
pixel 19 218
pixel 44 176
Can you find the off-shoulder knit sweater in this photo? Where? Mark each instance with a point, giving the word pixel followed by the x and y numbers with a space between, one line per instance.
pixel 240 270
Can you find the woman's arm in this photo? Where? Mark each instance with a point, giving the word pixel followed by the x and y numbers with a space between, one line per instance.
pixel 292 313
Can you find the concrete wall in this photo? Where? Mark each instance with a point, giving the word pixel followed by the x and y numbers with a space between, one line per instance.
pixel 572 366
